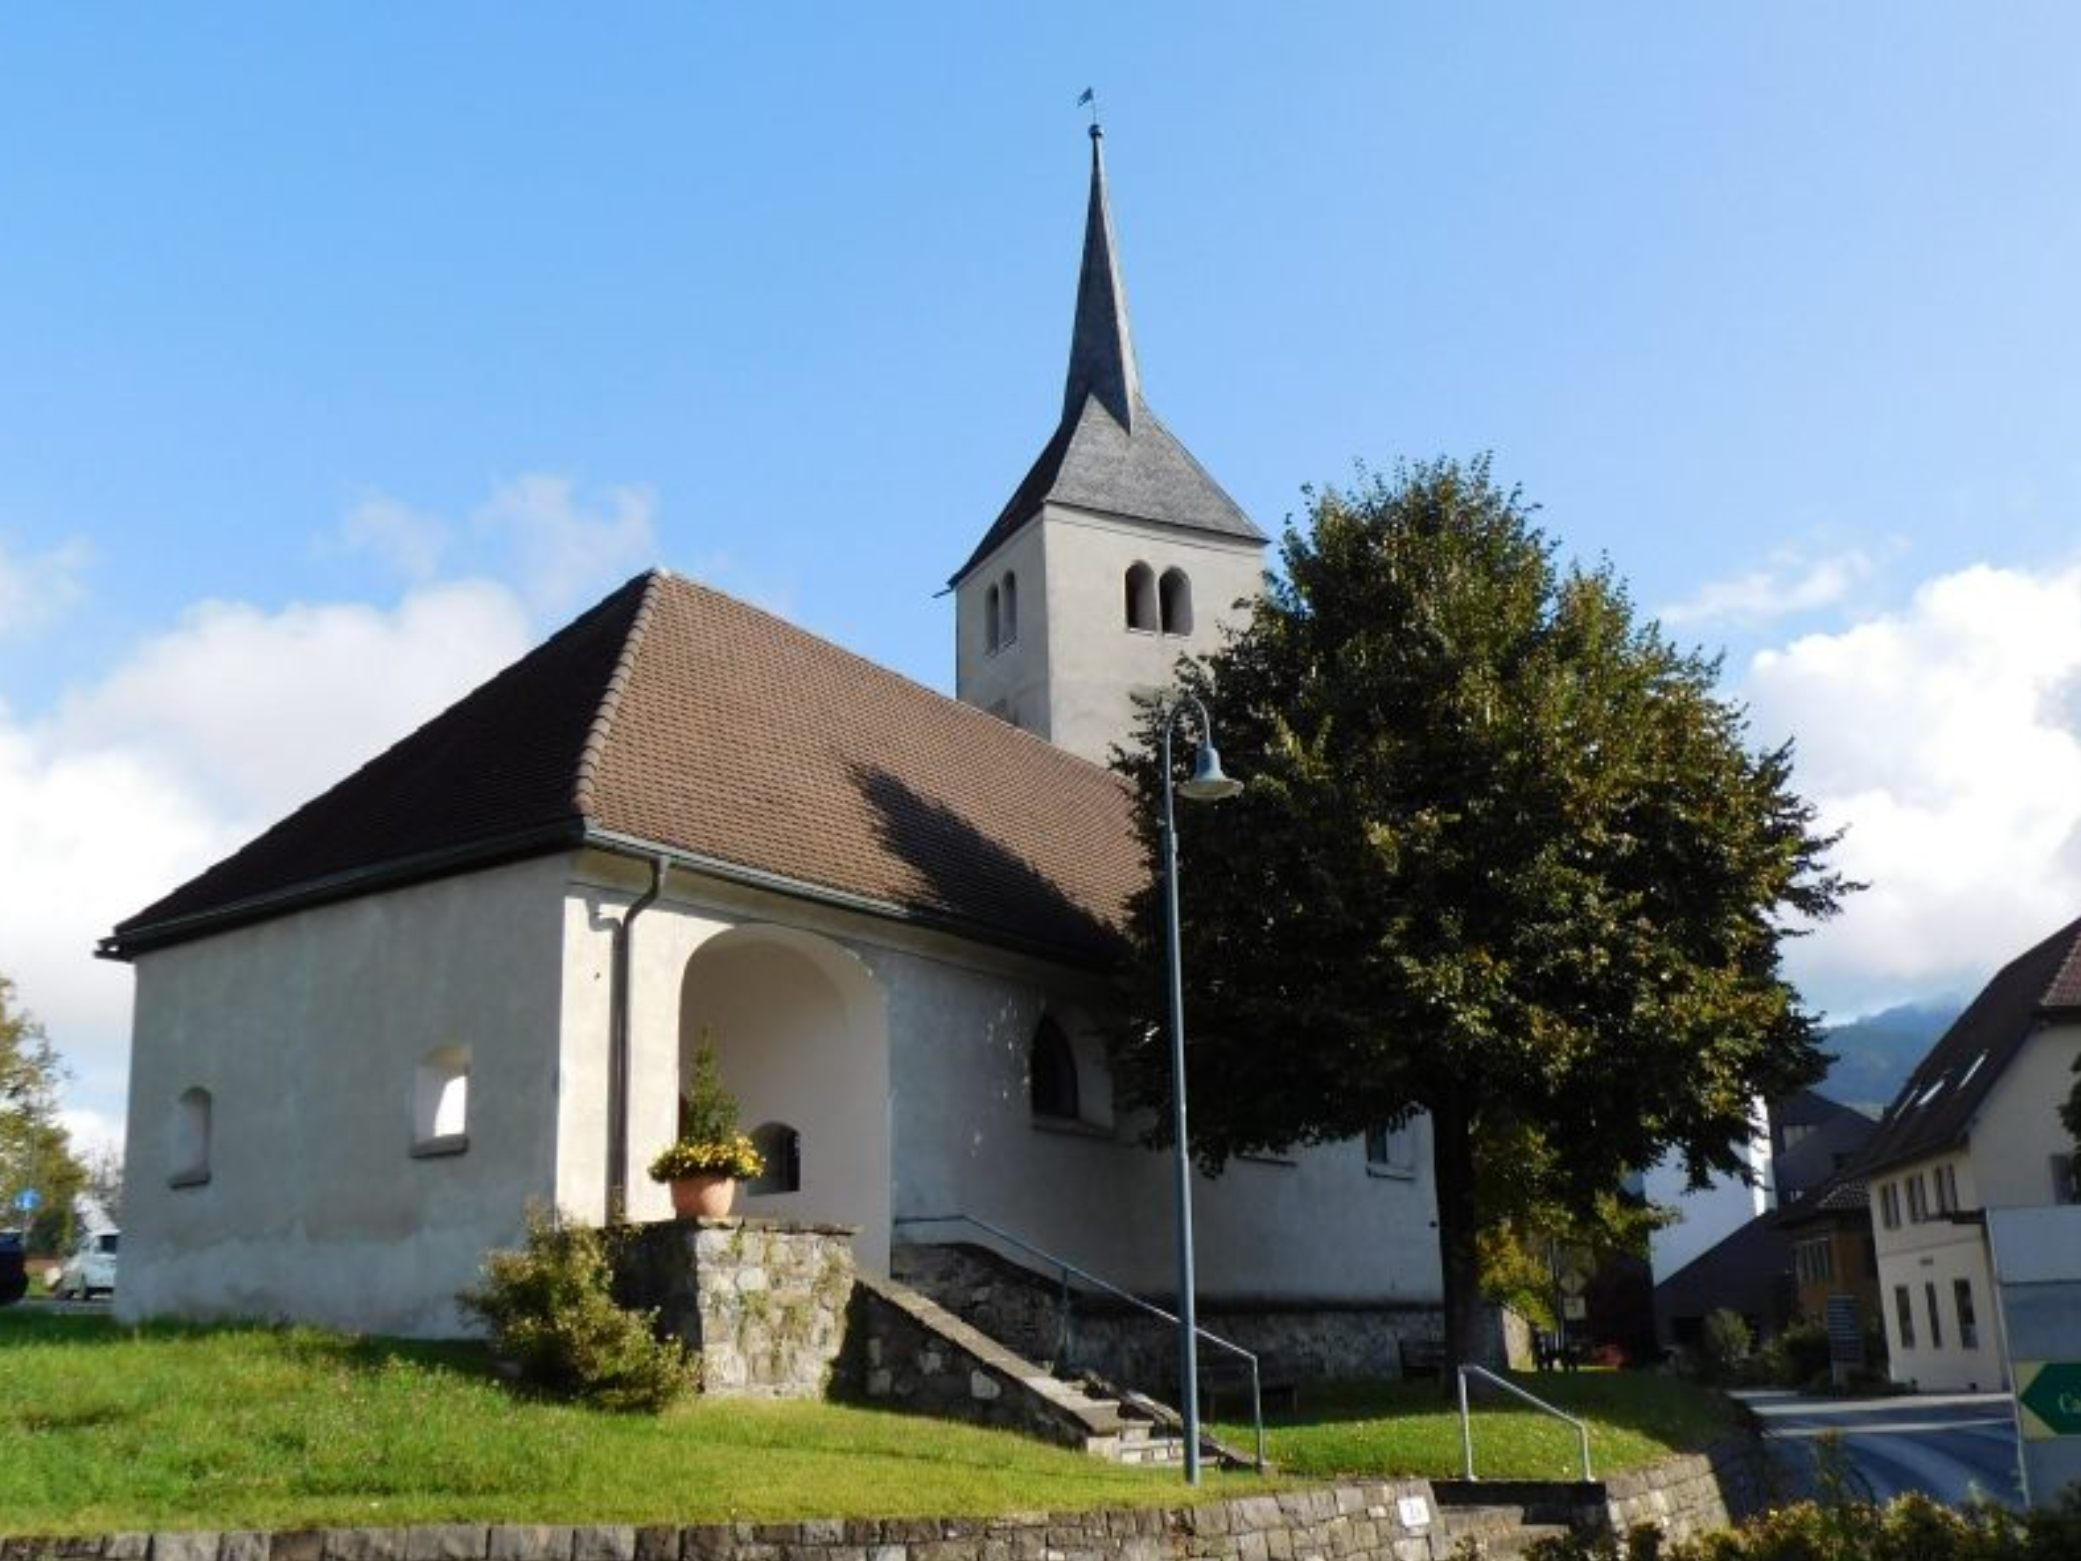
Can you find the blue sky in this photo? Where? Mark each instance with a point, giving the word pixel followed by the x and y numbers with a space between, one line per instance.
pixel 392 334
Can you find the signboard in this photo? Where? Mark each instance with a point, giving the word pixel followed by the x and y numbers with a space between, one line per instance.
pixel 2048 1394
pixel 28 1200
pixel 1845 1332
pixel 1574 1309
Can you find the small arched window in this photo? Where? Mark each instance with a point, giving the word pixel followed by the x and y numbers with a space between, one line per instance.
pixel 780 1146
pixel 1052 1073
pixel 1141 598
pixel 1008 614
pixel 191 1139
pixel 441 1102
pixel 1391 1151
pixel 1176 592
pixel 990 620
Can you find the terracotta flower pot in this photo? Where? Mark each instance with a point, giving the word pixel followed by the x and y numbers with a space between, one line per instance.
pixel 708 1195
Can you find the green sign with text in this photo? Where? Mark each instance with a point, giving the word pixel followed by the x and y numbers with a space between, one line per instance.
pixel 2050 1393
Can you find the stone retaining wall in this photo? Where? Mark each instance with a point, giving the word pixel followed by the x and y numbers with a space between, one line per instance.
pixel 764 1301
pixel 1371 1521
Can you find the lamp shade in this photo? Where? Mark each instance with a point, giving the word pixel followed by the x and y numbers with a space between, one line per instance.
pixel 1207 783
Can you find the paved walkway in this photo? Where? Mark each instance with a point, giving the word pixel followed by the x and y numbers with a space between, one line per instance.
pixel 1951 1446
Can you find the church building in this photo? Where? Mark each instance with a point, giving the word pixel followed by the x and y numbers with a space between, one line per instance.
pixel 471 974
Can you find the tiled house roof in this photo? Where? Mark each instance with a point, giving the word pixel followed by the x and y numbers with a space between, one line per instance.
pixel 672 716
pixel 1935 1108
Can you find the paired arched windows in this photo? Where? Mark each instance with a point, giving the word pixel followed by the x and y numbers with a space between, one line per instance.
pixel 780 1146
pixel 1001 613
pixel 1158 606
pixel 191 1139
pixel 441 1101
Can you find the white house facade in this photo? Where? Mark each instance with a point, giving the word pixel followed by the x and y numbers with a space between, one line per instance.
pixel 1975 1128
pixel 470 976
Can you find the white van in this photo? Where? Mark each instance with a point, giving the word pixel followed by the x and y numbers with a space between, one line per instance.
pixel 91 1270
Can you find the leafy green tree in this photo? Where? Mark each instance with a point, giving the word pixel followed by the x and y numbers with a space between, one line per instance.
pixel 35 1151
pixel 2070 1113
pixel 1504 856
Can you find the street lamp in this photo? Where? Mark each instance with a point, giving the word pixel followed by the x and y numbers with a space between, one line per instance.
pixel 1206 784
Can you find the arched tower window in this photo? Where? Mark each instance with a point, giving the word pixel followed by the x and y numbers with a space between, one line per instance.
pixel 441 1101
pixel 1008 614
pixel 780 1146
pixel 1141 598
pixel 191 1139
pixel 1176 592
pixel 990 620
pixel 1052 1073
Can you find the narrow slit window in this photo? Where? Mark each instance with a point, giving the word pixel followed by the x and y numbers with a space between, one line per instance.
pixel 1008 610
pixel 990 620
pixel 1052 1074
pixel 191 1138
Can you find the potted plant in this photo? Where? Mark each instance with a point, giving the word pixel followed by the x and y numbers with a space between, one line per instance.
pixel 703 1165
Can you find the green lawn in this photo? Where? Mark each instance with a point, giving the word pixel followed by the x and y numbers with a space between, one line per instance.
pixel 105 1429
pixel 1413 1428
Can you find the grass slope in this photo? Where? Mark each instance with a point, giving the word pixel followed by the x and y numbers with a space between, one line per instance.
pixel 104 1429
pixel 1413 1428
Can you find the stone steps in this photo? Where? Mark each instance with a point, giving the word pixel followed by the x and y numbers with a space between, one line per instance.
pixel 1495 1531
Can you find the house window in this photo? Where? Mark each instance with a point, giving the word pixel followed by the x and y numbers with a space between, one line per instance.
pixel 1815 1261
pixel 780 1146
pixel 191 1139
pixel 1946 1188
pixel 1968 1322
pixel 1175 593
pixel 441 1102
pixel 990 621
pixel 1889 1206
pixel 1008 609
pixel 1141 598
pixel 1936 1323
pixel 1052 1073
pixel 1391 1151
pixel 1918 1199
pixel 1904 1315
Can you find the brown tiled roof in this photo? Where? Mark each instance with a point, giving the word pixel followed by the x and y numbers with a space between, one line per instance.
pixel 1847 1194
pixel 673 716
pixel 1935 1107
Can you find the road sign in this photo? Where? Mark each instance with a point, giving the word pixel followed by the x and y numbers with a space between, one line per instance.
pixel 2050 1393
pixel 1574 1309
pixel 28 1200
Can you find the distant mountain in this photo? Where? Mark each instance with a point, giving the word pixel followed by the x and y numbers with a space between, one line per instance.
pixel 1874 1055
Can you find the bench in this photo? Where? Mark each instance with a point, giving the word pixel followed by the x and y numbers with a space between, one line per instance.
pixel 1421 1357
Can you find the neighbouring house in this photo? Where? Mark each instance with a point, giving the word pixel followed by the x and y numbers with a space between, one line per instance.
pixel 1752 1269
pixel 472 973
pixel 1834 1259
pixel 1976 1127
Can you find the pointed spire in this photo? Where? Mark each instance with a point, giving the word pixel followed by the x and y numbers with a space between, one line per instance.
pixel 1101 347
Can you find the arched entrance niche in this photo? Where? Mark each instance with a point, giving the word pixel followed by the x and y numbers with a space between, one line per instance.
pixel 801 1034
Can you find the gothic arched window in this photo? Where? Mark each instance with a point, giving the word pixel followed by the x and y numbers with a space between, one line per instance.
pixel 1176 592
pixel 990 620
pixel 1008 615
pixel 191 1139
pixel 1052 1073
pixel 1141 598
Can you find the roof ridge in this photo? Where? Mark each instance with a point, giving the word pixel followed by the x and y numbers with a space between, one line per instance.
pixel 610 698
pixel 967 711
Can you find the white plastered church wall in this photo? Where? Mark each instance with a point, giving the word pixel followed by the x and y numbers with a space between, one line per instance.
pixel 308 1030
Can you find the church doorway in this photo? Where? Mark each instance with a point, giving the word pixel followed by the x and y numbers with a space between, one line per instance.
pixel 801 1035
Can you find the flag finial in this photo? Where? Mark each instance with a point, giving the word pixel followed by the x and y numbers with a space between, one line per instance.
pixel 1088 98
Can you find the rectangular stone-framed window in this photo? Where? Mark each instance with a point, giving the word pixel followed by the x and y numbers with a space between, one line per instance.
pixel 1968 1320
pixel 1904 1316
pixel 1936 1322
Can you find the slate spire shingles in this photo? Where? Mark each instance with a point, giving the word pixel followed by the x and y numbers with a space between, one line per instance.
pixel 673 716
pixel 1110 453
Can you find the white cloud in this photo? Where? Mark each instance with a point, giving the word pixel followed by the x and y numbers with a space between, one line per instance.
pixel 1945 737
pixel 565 551
pixel 39 588
pixel 1788 583
pixel 411 542
pixel 200 738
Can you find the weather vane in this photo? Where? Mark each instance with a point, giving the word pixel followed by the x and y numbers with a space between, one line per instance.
pixel 1089 98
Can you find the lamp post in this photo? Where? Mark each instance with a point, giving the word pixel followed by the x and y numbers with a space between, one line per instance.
pixel 1206 784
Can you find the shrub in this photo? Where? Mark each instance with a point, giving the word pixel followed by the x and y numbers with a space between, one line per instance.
pixel 1725 1345
pixel 550 1310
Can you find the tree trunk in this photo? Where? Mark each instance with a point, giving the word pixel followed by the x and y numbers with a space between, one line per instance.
pixel 1452 1164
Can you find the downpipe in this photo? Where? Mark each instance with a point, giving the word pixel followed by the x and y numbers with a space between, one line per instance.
pixel 618 1045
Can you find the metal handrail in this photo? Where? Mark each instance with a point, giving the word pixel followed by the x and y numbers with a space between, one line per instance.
pixel 1070 1270
pixel 1467 1425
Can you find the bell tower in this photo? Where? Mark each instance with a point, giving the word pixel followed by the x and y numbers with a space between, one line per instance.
pixel 1116 554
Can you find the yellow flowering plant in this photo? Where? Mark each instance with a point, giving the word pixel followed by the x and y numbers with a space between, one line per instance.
pixel 710 1143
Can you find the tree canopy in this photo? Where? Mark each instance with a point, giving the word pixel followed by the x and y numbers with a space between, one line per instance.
pixel 35 1150
pixel 1504 856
